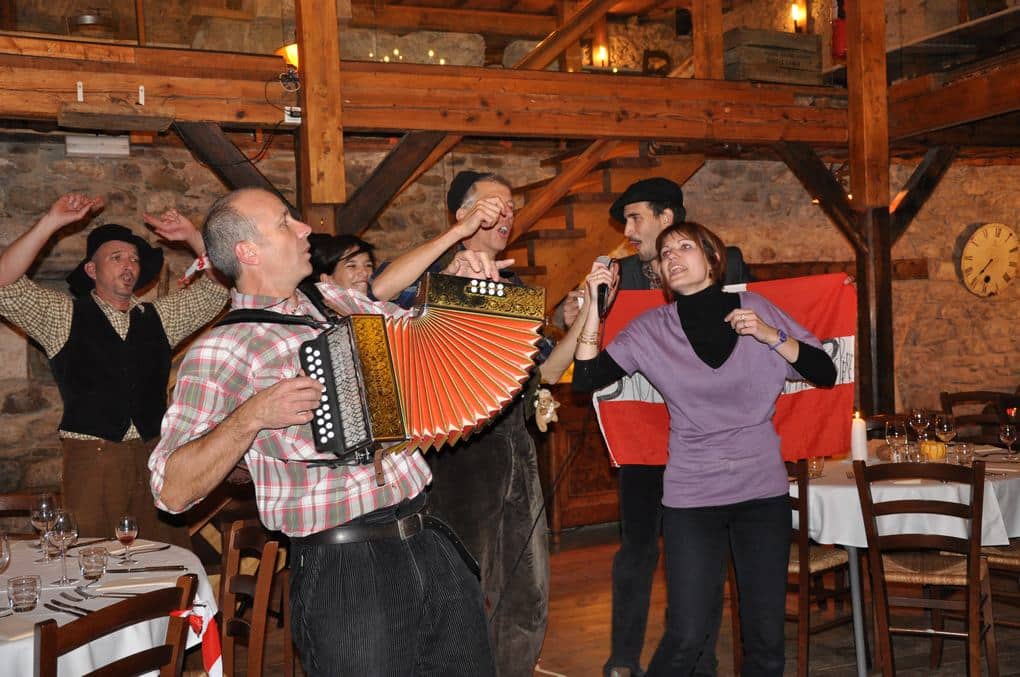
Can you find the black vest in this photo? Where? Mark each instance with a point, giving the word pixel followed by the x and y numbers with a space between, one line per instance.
pixel 107 382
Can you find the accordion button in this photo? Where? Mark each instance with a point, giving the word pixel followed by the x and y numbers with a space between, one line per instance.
pixel 308 349
pixel 316 353
pixel 499 292
pixel 330 434
pixel 329 425
pixel 323 439
pixel 325 407
pixel 318 362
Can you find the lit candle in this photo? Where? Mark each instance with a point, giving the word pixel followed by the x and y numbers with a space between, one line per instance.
pixel 797 15
pixel 858 438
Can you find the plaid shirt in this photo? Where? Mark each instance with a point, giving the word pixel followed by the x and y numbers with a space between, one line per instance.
pixel 231 363
pixel 45 315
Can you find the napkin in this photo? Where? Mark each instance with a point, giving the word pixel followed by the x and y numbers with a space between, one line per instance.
pixel 139 547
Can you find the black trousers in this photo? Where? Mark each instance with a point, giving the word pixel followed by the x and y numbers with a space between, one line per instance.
pixel 388 608
pixel 696 540
pixel 489 491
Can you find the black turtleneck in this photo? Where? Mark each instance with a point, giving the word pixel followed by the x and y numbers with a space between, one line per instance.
pixel 713 340
pixel 701 316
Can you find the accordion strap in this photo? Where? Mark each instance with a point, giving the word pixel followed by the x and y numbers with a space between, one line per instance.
pixel 242 315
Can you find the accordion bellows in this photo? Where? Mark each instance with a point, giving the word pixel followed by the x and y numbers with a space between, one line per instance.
pixel 428 379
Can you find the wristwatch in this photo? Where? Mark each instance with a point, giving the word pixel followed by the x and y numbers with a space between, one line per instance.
pixel 780 341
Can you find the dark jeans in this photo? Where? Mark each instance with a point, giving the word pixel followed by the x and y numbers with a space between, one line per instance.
pixel 389 608
pixel 635 561
pixel 696 540
pixel 488 490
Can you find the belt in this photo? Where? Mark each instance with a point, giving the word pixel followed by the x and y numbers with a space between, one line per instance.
pixel 403 528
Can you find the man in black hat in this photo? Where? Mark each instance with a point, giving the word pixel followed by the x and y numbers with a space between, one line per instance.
pixel 110 355
pixel 646 208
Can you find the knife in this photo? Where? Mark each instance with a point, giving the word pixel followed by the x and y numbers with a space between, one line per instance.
pixel 138 570
pixel 65 611
pixel 70 607
pixel 91 541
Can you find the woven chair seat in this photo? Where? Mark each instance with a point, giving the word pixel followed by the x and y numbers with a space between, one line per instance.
pixel 926 568
pixel 821 559
pixel 1003 556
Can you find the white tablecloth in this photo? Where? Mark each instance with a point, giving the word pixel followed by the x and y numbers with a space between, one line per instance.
pixel 835 509
pixel 17 643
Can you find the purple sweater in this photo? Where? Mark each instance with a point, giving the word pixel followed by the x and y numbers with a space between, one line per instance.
pixel 723 448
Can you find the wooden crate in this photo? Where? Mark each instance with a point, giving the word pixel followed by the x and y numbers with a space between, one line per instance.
pixel 772 56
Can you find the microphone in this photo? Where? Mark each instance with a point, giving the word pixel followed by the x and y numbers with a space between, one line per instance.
pixel 603 289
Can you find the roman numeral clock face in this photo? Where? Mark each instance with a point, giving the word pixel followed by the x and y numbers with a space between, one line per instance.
pixel 989 259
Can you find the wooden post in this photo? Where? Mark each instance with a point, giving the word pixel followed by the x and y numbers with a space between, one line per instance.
pixel 876 373
pixel 321 133
pixel 570 59
pixel 868 119
pixel 706 18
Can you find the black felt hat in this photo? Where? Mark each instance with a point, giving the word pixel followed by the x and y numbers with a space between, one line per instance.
pixel 459 187
pixel 150 258
pixel 655 189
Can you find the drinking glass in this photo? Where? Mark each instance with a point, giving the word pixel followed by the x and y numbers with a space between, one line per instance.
pixel 126 531
pixel 919 422
pixel 945 427
pixel 92 562
pixel 815 466
pixel 5 553
pixel 23 592
pixel 1007 435
pixel 63 534
pixel 42 516
pixel 964 454
pixel 895 437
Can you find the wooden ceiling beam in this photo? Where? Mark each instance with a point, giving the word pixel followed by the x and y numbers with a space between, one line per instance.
pixel 411 18
pixel 932 102
pixel 571 30
pixel 211 146
pixel 820 184
pixel 919 187
pixel 457 100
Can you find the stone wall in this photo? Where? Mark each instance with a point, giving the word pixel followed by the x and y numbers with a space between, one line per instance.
pixel 153 179
pixel 945 338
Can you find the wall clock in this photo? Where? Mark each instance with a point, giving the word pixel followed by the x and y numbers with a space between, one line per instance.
pixel 989 259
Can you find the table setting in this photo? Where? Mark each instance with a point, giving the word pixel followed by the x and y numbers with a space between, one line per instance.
pixel 835 511
pixel 84 577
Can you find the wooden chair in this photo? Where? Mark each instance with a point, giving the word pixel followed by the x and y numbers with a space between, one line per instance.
pixel 929 561
pixel 21 504
pixel 244 597
pixel 806 582
pixel 53 641
pixel 977 413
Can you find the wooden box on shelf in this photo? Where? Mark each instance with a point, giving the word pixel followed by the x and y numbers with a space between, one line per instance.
pixel 587 491
pixel 772 56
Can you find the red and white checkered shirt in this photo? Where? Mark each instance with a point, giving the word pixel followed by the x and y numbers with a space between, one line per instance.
pixel 228 365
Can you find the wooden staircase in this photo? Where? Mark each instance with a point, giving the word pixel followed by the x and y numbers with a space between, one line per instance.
pixel 555 244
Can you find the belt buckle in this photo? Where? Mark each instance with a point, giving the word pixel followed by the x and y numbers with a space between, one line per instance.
pixel 409 526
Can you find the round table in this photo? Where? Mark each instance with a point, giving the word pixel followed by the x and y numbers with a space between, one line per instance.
pixel 17 642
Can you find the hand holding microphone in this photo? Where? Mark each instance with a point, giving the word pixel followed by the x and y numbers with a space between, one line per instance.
pixel 605 271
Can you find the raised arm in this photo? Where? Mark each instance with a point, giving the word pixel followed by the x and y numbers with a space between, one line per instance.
pixel 409 266
pixel 183 476
pixel 18 257
pixel 173 226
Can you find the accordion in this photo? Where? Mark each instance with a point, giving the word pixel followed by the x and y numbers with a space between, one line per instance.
pixel 427 379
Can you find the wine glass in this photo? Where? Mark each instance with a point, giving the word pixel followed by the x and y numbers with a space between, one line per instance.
pixel 63 533
pixel 1007 435
pixel 42 517
pixel 945 427
pixel 126 531
pixel 919 422
pixel 895 437
pixel 5 553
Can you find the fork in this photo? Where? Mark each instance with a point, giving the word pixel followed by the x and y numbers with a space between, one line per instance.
pixel 68 596
pixel 110 595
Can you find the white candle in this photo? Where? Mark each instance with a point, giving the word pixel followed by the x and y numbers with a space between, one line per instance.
pixel 858 438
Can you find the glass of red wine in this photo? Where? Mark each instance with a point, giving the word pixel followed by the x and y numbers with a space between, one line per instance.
pixel 126 531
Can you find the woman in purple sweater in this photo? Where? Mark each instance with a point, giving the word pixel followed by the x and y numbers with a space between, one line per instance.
pixel 720 361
